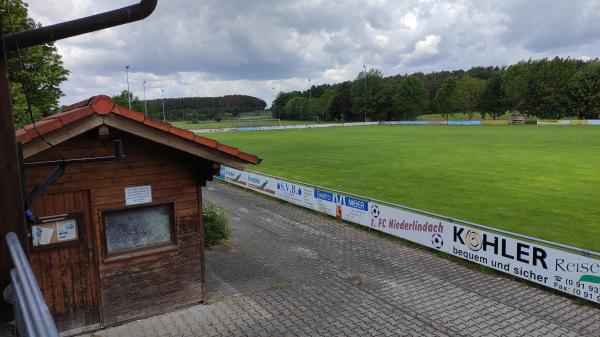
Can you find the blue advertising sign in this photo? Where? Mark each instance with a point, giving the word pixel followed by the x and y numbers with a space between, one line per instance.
pixel 323 195
pixel 356 203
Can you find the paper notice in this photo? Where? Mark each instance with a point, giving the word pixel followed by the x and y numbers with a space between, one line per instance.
pixel 66 230
pixel 41 235
pixel 138 195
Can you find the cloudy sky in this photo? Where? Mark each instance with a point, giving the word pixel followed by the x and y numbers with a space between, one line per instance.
pixel 258 47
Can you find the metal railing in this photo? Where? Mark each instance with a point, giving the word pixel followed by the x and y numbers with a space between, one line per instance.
pixel 583 252
pixel 32 317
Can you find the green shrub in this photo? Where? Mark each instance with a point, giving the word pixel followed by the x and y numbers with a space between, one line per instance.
pixel 216 224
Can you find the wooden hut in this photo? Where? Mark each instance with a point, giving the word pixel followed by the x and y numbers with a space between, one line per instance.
pixel 115 240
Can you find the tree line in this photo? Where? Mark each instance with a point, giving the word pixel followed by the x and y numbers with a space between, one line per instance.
pixel 192 108
pixel 545 88
pixel 227 101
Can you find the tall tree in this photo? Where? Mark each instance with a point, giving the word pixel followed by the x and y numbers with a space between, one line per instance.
pixel 297 108
pixel 137 104
pixel 40 68
pixel 385 109
pixel 411 98
pixel 366 93
pixel 122 100
pixel 468 91
pixel 540 87
pixel 493 98
pixel 283 97
pixel 445 102
pixel 483 73
pixel 320 105
pixel 341 104
pixel 584 91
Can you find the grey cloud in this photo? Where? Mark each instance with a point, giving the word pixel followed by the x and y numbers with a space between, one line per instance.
pixel 271 40
pixel 548 25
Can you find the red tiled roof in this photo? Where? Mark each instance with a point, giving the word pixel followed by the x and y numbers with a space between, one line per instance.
pixel 103 105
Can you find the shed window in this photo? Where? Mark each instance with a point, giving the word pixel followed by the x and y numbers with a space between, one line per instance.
pixel 136 228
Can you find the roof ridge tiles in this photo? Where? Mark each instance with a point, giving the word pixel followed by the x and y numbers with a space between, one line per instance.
pixel 103 105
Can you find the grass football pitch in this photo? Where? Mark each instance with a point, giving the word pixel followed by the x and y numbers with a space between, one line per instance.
pixel 542 181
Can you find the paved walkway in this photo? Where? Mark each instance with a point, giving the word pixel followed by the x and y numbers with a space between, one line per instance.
pixel 290 272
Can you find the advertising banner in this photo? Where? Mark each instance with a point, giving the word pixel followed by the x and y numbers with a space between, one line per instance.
pixel 464 122
pixel 294 126
pixel 330 125
pixel 561 270
pixel 294 193
pixel 494 122
pixel 432 122
pixel 234 176
pixel 404 123
pixel 567 272
pixel 260 183
pixel 549 122
pixel 328 202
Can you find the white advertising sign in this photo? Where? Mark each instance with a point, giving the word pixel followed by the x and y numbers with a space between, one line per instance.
pixel 414 227
pixel 232 175
pixel 138 195
pixel 261 183
pixel 294 193
pixel 328 202
pixel 561 270
pixel 570 273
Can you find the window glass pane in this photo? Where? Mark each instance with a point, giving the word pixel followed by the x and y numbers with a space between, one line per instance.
pixel 137 227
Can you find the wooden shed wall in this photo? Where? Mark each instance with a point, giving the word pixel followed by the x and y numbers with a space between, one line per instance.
pixel 150 284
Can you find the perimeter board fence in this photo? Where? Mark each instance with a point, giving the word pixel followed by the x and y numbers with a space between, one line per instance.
pixel 568 269
pixel 232 118
pixel 282 126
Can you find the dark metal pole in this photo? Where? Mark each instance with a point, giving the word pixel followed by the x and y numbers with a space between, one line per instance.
pixel 162 96
pixel 12 215
pixel 365 73
pixel 128 92
pixel 80 26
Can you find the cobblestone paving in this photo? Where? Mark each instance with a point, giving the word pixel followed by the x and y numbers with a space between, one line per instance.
pixel 291 272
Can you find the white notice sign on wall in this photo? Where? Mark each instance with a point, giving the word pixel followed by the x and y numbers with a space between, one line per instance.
pixel 138 195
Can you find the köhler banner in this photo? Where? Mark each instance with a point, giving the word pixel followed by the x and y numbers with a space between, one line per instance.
pixel 561 270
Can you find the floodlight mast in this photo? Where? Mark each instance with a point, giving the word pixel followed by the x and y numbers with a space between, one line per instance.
pixel 128 92
pixel 309 96
pixel 162 97
pixel 145 107
pixel 365 75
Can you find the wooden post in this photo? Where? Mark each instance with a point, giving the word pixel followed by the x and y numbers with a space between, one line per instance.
pixel 12 217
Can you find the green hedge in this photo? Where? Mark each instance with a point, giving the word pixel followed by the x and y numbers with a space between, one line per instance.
pixel 216 224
